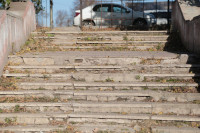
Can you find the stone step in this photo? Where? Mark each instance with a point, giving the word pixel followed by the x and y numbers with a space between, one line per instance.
pixel 114 38
pixel 108 48
pixel 128 118
pixel 48 118
pixel 141 107
pixel 108 32
pixel 109 43
pixel 102 86
pixel 107 77
pixel 101 96
pixel 130 77
pixel 33 118
pixel 110 107
pixel 34 128
pixel 105 38
pixel 175 68
pixel 175 130
pixel 83 128
pixel 121 42
pixel 103 128
pixel 102 58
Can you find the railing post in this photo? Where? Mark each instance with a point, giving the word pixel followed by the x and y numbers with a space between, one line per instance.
pixel 168 15
pixel 81 14
pixel 51 14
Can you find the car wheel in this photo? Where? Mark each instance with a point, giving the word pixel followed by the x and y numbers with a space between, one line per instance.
pixel 88 23
pixel 140 23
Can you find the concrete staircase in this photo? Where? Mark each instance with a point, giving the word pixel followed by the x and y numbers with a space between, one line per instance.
pixel 100 82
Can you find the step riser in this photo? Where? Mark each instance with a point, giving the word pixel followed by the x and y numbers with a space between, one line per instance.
pixel 108 43
pixel 34 120
pixel 107 33
pixel 91 61
pixel 128 110
pixel 51 97
pixel 106 78
pixel 39 120
pixel 41 61
pixel 109 48
pixel 130 69
pixel 63 87
pixel 156 109
pixel 105 38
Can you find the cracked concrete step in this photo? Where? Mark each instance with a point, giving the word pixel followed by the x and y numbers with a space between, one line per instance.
pixel 48 118
pixel 83 128
pixel 122 42
pixel 128 37
pixel 107 77
pixel 175 68
pixel 110 107
pixel 109 48
pixel 99 127
pixel 101 86
pixel 108 32
pixel 129 77
pixel 105 96
pixel 33 118
pixel 108 43
pixel 175 130
pixel 118 118
pixel 138 107
pixel 103 37
pixel 33 128
pixel 93 58
pixel 122 58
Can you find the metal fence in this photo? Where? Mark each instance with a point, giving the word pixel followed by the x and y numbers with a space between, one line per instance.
pixel 123 13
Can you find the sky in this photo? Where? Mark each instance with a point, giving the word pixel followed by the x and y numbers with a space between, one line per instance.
pixel 58 5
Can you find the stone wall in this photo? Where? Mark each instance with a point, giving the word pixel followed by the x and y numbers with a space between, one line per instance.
pixel 15 28
pixel 186 20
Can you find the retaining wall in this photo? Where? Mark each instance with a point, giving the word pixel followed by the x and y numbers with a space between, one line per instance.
pixel 15 30
pixel 186 20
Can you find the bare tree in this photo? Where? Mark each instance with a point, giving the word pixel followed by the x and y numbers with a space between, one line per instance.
pixel 62 18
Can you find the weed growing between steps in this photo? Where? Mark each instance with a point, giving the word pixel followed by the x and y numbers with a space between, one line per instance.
pixel 27 99
pixel 15 109
pixel 9 122
pixel 147 124
pixel 8 84
pixel 150 61
pixel 69 129
pixel 169 80
pixel 37 45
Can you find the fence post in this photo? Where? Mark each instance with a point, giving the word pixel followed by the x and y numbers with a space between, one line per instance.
pixel 81 15
pixel 51 14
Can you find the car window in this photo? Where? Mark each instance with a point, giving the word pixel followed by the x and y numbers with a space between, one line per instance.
pixel 102 8
pixel 119 9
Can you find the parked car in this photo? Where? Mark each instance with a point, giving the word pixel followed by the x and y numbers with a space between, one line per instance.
pixel 162 16
pixel 107 14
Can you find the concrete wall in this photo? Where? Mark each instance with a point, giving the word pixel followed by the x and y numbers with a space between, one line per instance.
pixel 15 28
pixel 186 20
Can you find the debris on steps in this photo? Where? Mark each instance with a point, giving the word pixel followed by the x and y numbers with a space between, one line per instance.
pixel 116 81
